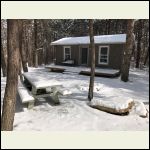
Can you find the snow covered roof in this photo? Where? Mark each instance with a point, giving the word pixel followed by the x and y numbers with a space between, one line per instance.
pixel 101 39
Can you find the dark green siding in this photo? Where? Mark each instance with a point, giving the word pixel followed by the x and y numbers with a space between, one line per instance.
pixel 115 55
pixel 60 54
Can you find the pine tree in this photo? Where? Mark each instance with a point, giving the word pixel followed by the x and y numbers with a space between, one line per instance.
pixel 22 45
pixel 35 53
pixel 9 101
pixel 127 51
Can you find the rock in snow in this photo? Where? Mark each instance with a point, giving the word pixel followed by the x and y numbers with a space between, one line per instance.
pixel 140 109
pixel 119 106
pixel 114 105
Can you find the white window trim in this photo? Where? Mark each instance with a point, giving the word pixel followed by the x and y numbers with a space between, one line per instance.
pixel 69 50
pixel 99 54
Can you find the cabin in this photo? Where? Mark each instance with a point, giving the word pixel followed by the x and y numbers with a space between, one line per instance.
pixel 75 51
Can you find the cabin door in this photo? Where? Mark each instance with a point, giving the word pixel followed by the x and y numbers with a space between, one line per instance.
pixel 84 56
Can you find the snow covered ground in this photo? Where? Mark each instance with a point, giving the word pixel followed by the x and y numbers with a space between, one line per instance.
pixel 73 113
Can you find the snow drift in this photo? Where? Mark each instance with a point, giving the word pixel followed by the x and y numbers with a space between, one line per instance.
pixel 114 105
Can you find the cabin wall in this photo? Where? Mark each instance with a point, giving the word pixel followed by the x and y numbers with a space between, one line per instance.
pixel 75 53
pixel 60 54
pixel 115 55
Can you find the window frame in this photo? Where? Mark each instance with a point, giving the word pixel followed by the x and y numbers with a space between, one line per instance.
pixel 99 55
pixel 65 51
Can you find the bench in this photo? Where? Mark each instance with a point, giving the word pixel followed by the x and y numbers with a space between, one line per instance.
pixel 25 95
pixel 55 69
pixel 60 91
pixel 70 62
pixel 64 92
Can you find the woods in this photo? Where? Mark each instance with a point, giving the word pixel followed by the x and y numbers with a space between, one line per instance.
pixel 28 43
pixel 38 34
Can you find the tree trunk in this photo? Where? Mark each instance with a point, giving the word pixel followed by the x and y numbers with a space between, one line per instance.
pixel 46 43
pixel 92 47
pixel 127 51
pixel 35 44
pixel 108 26
pixel 9 101
pixel 147 55
pixel 3 61
pixel 139 44
pixel 22 46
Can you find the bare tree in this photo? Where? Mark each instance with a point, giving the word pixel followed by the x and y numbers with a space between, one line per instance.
pixel 127 51
pixel 47 37
pixel 3 61
pixel 9 101
pixel 22 45
pixel 146 57
pixel 3 50
pixel 92 48
pixel 35 53
pixel 139 38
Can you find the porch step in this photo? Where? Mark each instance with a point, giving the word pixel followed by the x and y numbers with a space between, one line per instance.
pixel 70 72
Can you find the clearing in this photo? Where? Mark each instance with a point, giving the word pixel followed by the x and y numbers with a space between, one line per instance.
pixel 73 113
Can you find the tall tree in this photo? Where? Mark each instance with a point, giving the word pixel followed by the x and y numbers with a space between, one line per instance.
pixel 146 57
pixel 92 48
pixel 3 61
pixel 3 49
pixel 127 51
pixel 35 53
pixel 47 37
pixel 9 101
pixel 22 45
pixel 139 37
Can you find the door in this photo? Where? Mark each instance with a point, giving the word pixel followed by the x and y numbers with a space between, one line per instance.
pixel 84 56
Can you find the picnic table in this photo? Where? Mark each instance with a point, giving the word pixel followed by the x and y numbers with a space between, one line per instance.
pixel 40 85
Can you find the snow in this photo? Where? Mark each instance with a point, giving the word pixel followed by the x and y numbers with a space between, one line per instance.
pixel 41 79
pixel 81 68
pixel 69 62
pixel 74 113
pixel 65 92
pixel 117 103
pixel 24 94
pixel 111 71
pixel 140 109
pixel 101 39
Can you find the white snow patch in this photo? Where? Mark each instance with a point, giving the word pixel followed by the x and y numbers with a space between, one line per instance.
pixel 65 92
pixel 81 68
pixel 41 79
pixel 114 103
pixel 105 39
pixel 68 62
pixel 140 109
pixel 24 94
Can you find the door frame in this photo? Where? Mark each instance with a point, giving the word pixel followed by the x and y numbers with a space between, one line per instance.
pixel 81 55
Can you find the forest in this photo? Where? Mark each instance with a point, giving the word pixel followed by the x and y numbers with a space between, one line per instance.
pixel 26 45
pixel 38 34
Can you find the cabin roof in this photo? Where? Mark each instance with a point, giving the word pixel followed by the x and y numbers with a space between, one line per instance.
pixel 100 39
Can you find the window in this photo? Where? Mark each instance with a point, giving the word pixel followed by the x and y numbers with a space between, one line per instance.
pixel 103 54
pixel 67 53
